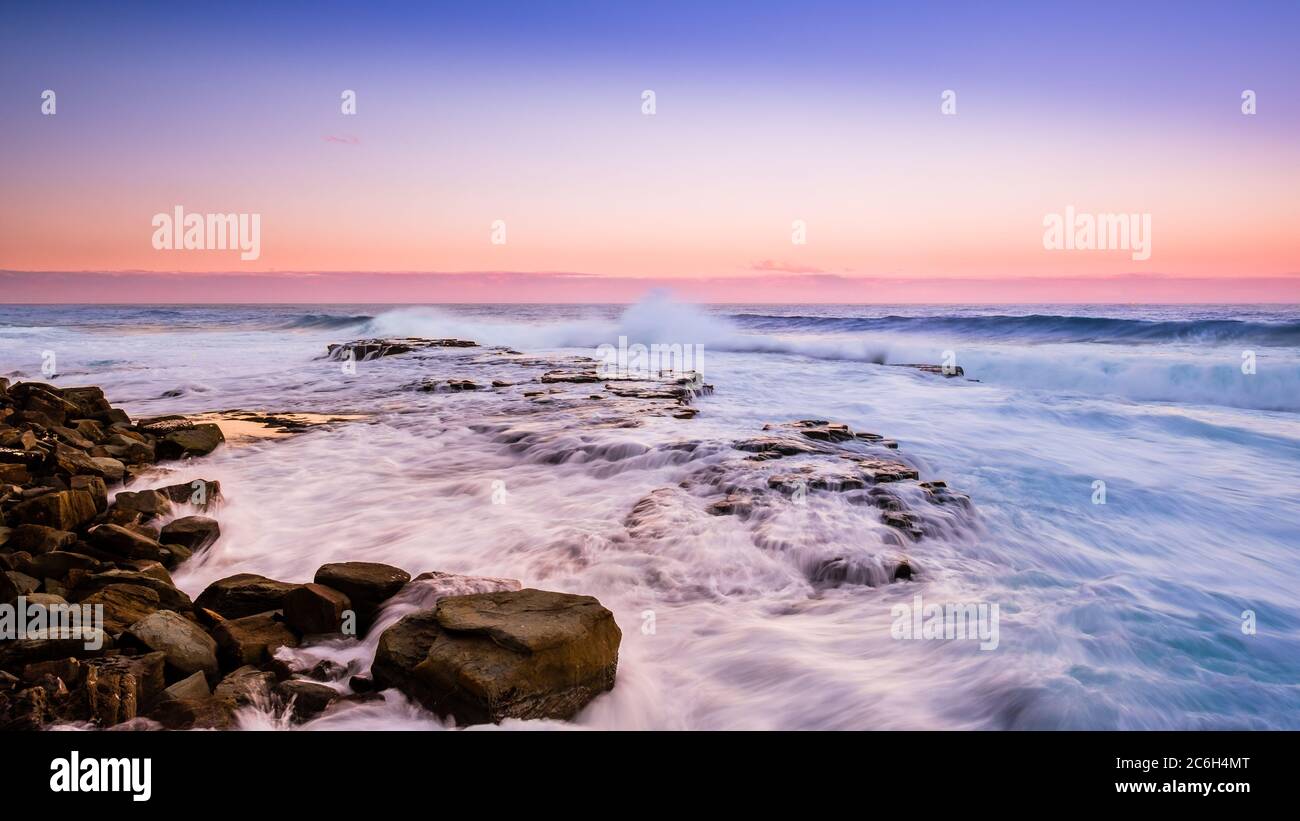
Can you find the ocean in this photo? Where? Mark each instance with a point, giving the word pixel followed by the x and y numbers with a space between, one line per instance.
pixel 1167 596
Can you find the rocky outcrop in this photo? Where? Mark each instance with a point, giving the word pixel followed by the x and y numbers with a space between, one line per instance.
pixel 490 656
pixel 368 349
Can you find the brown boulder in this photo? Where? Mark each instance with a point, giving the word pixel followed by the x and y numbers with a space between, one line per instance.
pixel 38 539
pixel 489 656
pixel 61 510
pixel 188 649
pixel 244 594
pixel 315 608
pixel 169 597
pixel 366 584
pixel 251 639
pixel 193 532
pixel 199 440
pixel 306 699
pixel 124 605
pixel 148 503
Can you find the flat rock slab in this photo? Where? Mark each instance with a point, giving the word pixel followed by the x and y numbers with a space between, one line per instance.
pixel 526 654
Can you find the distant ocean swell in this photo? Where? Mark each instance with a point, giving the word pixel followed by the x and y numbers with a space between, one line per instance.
pixel 1041 327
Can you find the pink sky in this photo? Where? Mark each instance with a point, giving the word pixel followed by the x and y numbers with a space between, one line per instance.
pixel 545 132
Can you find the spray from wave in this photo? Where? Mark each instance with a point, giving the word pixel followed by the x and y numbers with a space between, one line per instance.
pixel 1146 360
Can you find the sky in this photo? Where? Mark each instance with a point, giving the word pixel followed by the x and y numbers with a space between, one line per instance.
pixel 773 122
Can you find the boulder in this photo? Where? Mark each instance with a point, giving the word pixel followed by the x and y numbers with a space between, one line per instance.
pixel 194 687
pixel 148 503
pixel 244 686
pixel 61 510
pixel 307 699
pixel 315 608
pixel 193 714
pixel 199 440
pixel 57 564
pixel 128 543
pixel 486 657
pixel 193 532
pixel 188 649
pixel 38 539
pixel 95 486
pixel 199 492
pixel 251 639
pixel 17 653
pixel 109 469
pixel 169 597
pixel 366 584
pixel 124 605
pixel 118 688
pixel 244 594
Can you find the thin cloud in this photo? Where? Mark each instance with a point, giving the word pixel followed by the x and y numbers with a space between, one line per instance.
pixel 334 138
pixel 784 267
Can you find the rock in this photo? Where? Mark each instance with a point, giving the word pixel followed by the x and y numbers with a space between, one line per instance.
pixel 188 649
pixel 244 686
pixel 315 608
pixel 194 532
pixel 109 469
pixel 193 714
pixel 199 492
pixel 38 539
pixel 57 564
pixel 489 656
pixel 148 503
pixel 69 461
pixel 124 605
pixel 400 651
pixel 128 543
pixel 130 450
pixel 169 597
pixel 307 699
pixel 14 474
pixel 149 568
pixel 61 510
pixel 251 639
pixel 199 440
pixel 71 437
pixel 20 583
pixel 86 401
pixel 735 504
pixel 366 584
pixel 95 486
pixel 68 669
pixel 118 688
pixel 17 653
pixel 194 687
pixel 244 594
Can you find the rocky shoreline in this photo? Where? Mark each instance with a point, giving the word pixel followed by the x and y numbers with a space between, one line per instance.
pixel 470 649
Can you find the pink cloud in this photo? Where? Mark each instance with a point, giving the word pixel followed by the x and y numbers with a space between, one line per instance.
pixel 348 140
pixel 784 267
